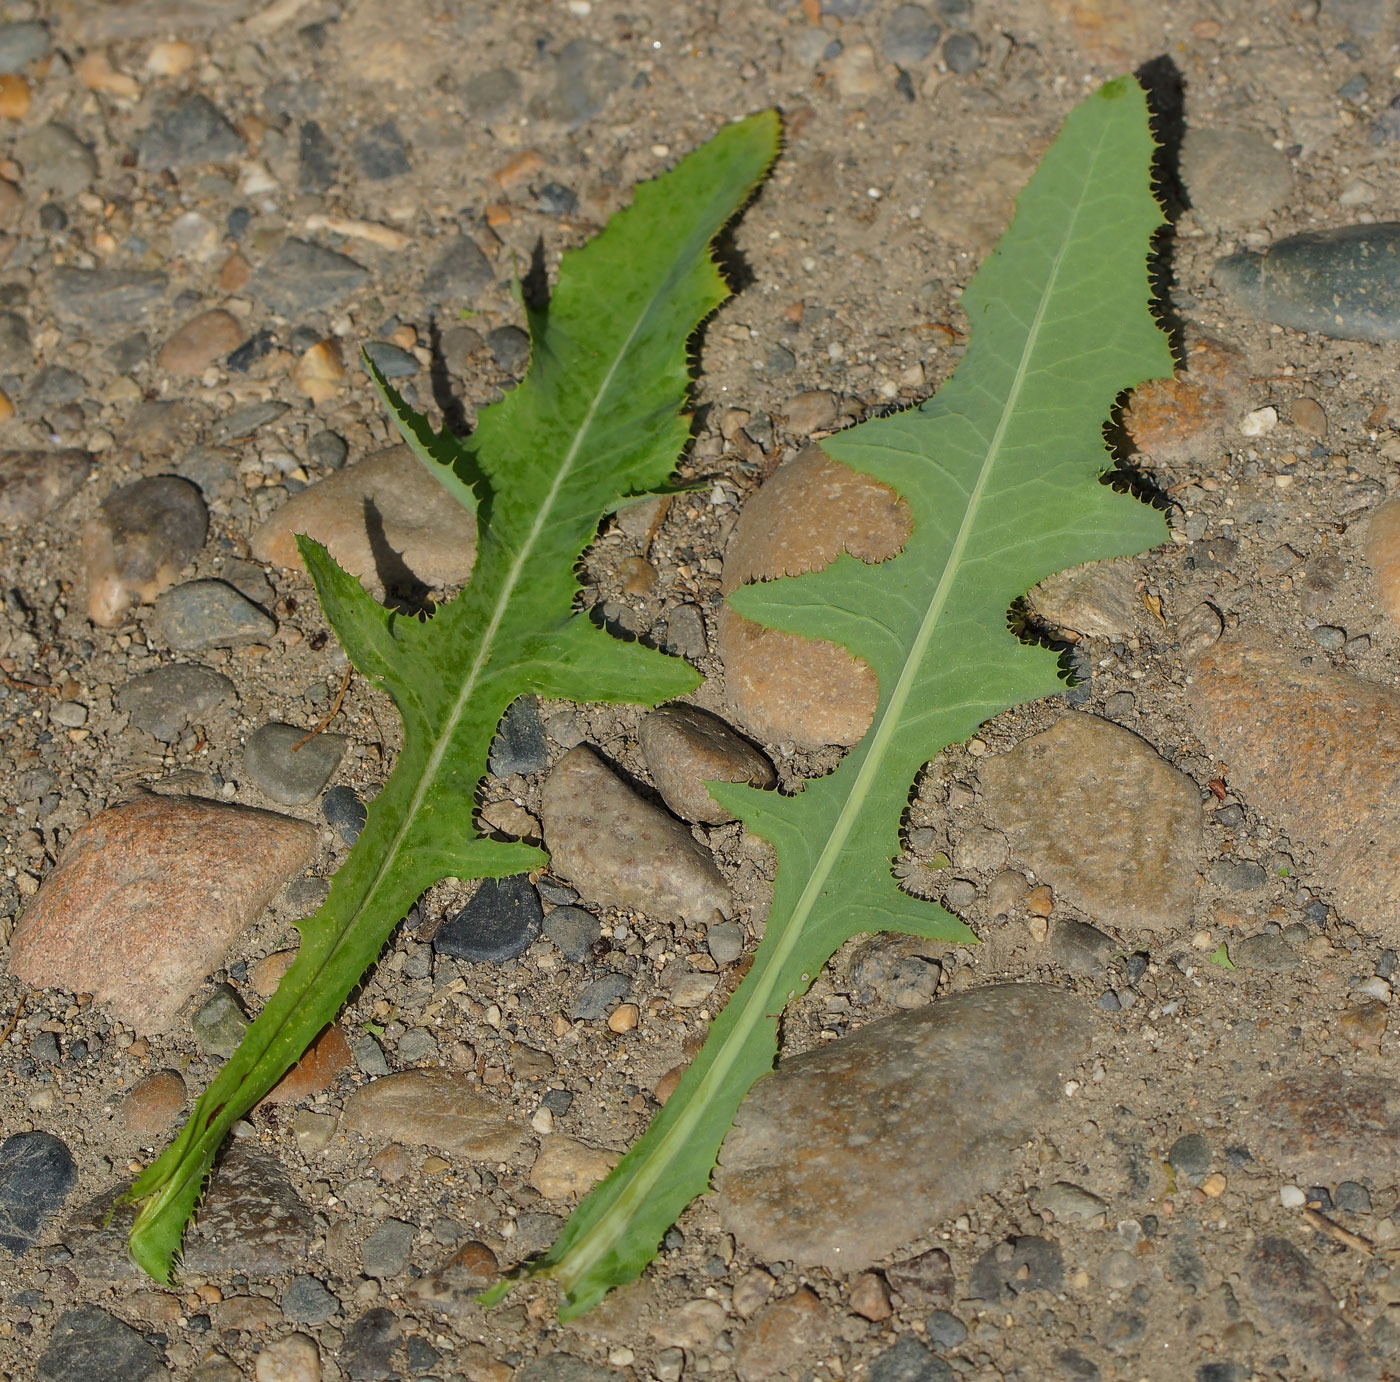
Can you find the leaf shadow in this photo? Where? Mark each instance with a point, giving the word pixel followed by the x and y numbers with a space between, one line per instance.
pixel 404 592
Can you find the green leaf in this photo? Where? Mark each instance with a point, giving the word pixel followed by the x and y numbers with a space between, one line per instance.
pixel 1221 957
pixel 597 418
pixel 1002 473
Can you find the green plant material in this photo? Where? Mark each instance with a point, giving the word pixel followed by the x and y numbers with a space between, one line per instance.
pixel 597 418
pixel 1002 473
pixel 1221 957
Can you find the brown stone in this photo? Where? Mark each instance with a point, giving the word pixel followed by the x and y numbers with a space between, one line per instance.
pixel 199 342
pixel 686 747
pixel 1175 420
pixel 1097 600
pixel 847 1151
pixel 1324 1128
pixel 147 897
pixel 434 1108
pixel 265 974
pixel 457 1280
pixel 567 1167
pixel 152 1105
pixel 870 1297
pixel 1115 33
pixel 1383 555
pixel 34 483
pixel 1318 752
pixel 622 851
pixel 785 688
pixel 1110 825
pixel 319 372
pixel 325 1058
pixel 785 1337
pixel 386 504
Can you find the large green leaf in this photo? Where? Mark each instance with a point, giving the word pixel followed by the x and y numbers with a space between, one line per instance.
pixel 1002 473
pixel 597 418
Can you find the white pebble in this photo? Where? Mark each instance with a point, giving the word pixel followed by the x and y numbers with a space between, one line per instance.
pixel 543 1120
pixel 1374 987
pixel 1291 1197
pixel 1259 423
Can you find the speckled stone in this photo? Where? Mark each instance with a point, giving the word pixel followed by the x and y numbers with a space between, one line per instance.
pixel 1322 1129
pixel 88 1343
pixel 434 1108
pixel 35 483
pixel 37 1172
pixel 686 747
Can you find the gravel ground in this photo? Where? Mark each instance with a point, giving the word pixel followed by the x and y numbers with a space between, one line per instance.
pixel 1205 1189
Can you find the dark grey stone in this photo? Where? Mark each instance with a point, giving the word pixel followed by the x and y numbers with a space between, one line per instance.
pixel 1352 1197
pixel 188 129
pixel 510 349
pixel 555 199
pixel 327 449
pixel 565 1367
pixel 386 1251
pixel 1081 948
pixel 290 775
pixel 252 1220
pixel 219 1023
pixel 1011 1268
pixel 303 277
pixel 1266 951
pixel 344 810
pixel 1343 282
pixel 962 52
pixel 244 421
pixel 1330 638
pixel 58 161
pixel 87 1343
pixel 16 347
pixel 53 386
pixel 780 360
pixel 208 614
pixel 316 165
pixel 129 352
pixel 1222 1372
pixel 44 1048
pixel 909 37
pixel 307 1301
pixel 1073 1366
pixel 907 1360
pixel 369 1056
pixel 558 1101
pixel 574 931
pixel 1238 875
pixel 37 1173
pixel 1230 815
pixel 107 297
pixel 370 1344
pixel 586 74
pixel 955 13
pixel 458 273
pixel 1124 1331
pixel 520 745
pixel 685 632
pixel 1190 1156
pixel 390 360
pixel 945 1330
pixel 243 357
pixel 381 152
pixel 417 1044
pixel 600 997
pixel 500 921
pixel 21 42
pixel 492 92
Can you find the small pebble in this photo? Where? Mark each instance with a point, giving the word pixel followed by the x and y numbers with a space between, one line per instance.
pixel 289 774
pixel 574 931
pixel 344 810
pixel 209 614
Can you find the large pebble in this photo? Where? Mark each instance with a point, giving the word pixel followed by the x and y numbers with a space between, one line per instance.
pixel 37 1172
pixel 209 614
pixel 567 1167
pixel 686 747
pixel 783 1337
pixel 1234 177
pixel 187 129
pixel 434 1108
pixel 152 1105
pixel 88 1343
pixel 252 1220
pixel 499 922
pixel 1103 819
pixel 164 701
pixel 21 42
pixel 199 342
pixel 622 851
pixel 146 898
pixel 458 273
pixel 1097 600
pixel 35 483
pixel 136 544
pixel 1318 751
pixel 289 774
pixel 106 297
pixel 58 161
pixel 292 1358
pixel 909 36
pixel 1323 1128
pixel 847 1151
pixel 1343 282
pixel 586 74
pixel 785 688
pixel 384 519
pixel 1178 419
pixel 302 277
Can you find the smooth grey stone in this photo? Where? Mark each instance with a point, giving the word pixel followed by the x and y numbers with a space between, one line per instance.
pixel 302 277
pixel 600 997
pixel 386 1251
pixel 1190 1156
pixel 1234 177
pixel 37 1172
pixel 1351 1197
pixel 962 52
pixel 1012 1268
pixel 1265 951
pixel 381 152
pixel 417 1044
pixel 129 352
pixel 316 163
pixel 344 810
pixel 725 942
pixel 209 614
pixel 249 580
pixel 188 129
pixel 945 1330
pixel 907 1360
pixel 16 347
pixel 1330 638
pixel 58 161
pixel 458 273
pixel 53 386
pixel 244 421
pixel 107 297
pixel 292 778
pixel 685 632
pixel 490 93
pixel 498 923
pixel 1362 18
pixel 1081 948
pixel 510 349
pixel 164 701
pixel 219 1023
pixel 910 34
pixel 1343 282
pixel 520 745
pixel 574 931
pixel 370 1343
pixel 956 13
pixel 390 360
pixel 1073 1366
pixel 369 1056
pixel 307 1301
pixel 586 74
pixel 87 1343
pixel 1238 875
pixel 327 449
pixel 1067 1201
pixel 21 42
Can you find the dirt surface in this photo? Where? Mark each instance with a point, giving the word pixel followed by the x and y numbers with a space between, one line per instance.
pixel 524 127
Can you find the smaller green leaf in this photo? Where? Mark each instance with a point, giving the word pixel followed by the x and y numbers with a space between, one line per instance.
pixel 1221 957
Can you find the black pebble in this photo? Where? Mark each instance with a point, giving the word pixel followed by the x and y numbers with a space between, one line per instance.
pixel 502 918
pixel 345 812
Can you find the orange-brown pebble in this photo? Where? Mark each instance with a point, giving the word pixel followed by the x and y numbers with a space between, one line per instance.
pixel 624 1018
pixel 870 1297
pixel 319 372
pixel 265 974
pixel 666 1085
pixel 153 1104
pixel 519 169
pixel 1040 901
pixel 14 96
pixel 329 1054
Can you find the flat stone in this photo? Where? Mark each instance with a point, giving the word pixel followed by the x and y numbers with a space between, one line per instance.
pixel 35 483
pixel 500 921
pixel 152 1106
pixel 845 1152
pixel 370 1344
pixel 384 519
pixel 344 810
pixel 138 542
pixel 686 747
pixel 251 1221
pixel 106 297
pixel 783 1336
pixel 1097 600
pixel 458 274
pixel 1101 818
pixel 784 688
pixel 381 152
pixel 565 1367
pixel 1067 1201
pixel 814 410
pixel 291 778
pixel 307 1301
pixel 304 277
pixel 37 1172
pixel 567 1167
pixel 1234 177
pixel 909 36
pixel 1325 1128
pixel 386 1252
pixel 88 1343
pixel 586 74
pixel 520 745
pixel 622 851
pixel 16 344
pixel 434 1108
pixel 1081 948
pixel 1318 752
pixel 392 361
pixel 574 931
pixel 164 701
pixel 1343 282
pixel 1016 1267
pixel 146 898
pixel 322 1061
pixel 1382 547
pixel 292 1358
pixel 1175 420
pixel 599 998
pixel 219 1023
pixel 209 614
pixel 187 130
pixel 908 1360
pixel 246 420
pixel 199 343
pixel 58 162
pixel 1300 1309
pixel 22 41
pixel 316 162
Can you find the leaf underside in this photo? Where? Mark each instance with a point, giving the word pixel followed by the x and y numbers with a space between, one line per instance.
pixel 1002 473
pixel 597 418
